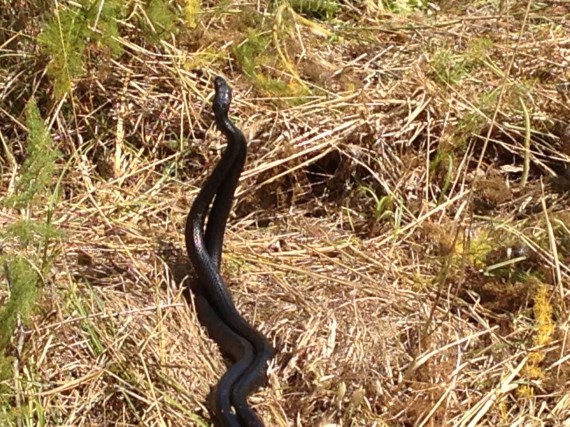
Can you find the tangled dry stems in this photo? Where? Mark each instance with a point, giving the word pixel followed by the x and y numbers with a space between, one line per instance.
pixel 384 319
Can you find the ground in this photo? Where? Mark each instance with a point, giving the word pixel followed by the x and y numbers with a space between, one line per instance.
pixel 401 232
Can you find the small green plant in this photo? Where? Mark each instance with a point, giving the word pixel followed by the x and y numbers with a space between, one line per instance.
pixel 488 101
pixel 447 67
pixel 192 9
pixel 249 52
pixel 320 9
pixel 450 67
pixel 470 123
pixel 70 30
pixel 383 206
pixel 26 258
pixel 255 52
pixel 473 121
pixel 404 7
pixel 442 166
pixel 472 248
pixel 39 167
pixel 62 41
pixel 22 281
pixel 478 50
pixel 162 20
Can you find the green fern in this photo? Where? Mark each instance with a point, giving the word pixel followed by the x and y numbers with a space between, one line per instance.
pixel 23 289
pixel 27 240
pixel 22 295
pixel 162 20
pixel 29 232
pixel 248 52
pixel 62 40
pixel 70 30
pixel 102 17
pixel 38 169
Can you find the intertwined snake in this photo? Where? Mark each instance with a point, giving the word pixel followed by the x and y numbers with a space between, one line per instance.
pixel 249 349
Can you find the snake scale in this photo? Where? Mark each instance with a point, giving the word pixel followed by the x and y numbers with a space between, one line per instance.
pixel 204 234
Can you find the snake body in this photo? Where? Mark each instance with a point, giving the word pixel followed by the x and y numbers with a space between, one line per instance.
pixel 249 349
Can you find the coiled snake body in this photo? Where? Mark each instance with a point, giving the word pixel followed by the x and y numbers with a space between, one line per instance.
pixel 249 349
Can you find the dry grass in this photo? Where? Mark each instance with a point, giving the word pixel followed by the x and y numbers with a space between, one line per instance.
pixel 437 296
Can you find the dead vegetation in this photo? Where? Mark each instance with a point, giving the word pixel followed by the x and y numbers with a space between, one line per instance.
pixel 401 233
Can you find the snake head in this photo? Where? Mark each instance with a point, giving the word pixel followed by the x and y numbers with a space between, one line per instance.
pixel 223 96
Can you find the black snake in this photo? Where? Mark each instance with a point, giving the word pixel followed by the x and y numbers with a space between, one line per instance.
pixel 249 349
